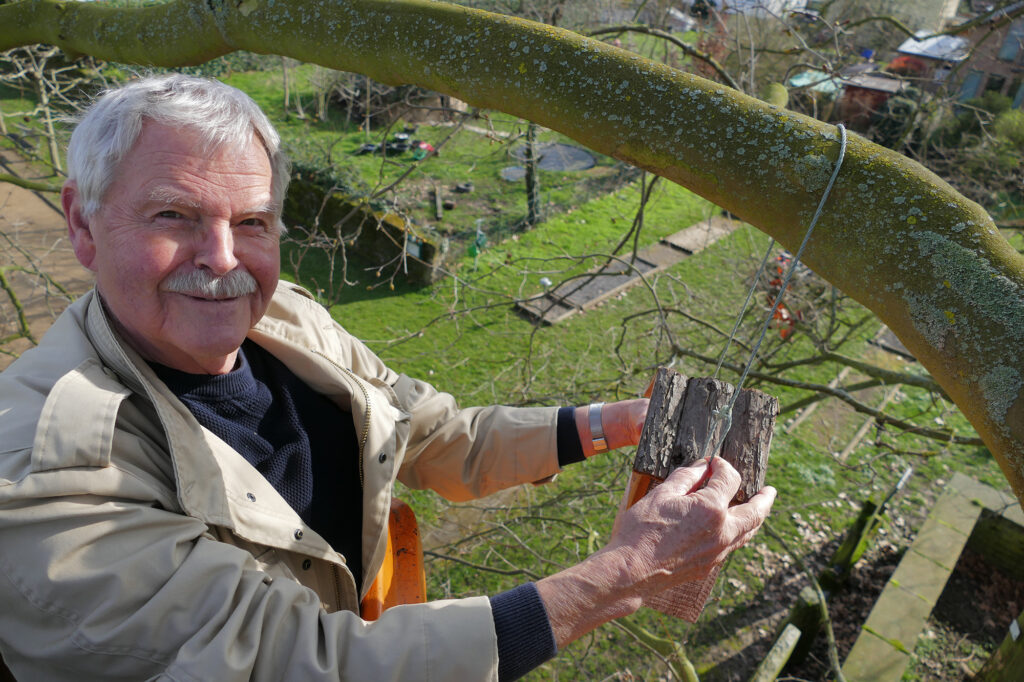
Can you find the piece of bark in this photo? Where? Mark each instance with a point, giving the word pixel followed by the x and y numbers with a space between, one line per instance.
pixel 654 454
pixel 749 440
pixel 686 420
pixel 702 429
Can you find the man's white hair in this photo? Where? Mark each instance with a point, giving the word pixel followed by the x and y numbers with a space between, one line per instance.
pixel 219 113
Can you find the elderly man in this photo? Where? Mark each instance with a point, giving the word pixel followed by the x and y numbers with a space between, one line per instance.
pixel 196 462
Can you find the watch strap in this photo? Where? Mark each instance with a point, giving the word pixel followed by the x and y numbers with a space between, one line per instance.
pixel 597 438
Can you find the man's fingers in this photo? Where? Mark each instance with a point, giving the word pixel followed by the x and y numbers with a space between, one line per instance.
pixel 724 480
pixel 752 513
pixel 686 480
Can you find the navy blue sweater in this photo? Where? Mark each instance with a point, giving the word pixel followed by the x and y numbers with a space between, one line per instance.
pixel 307 448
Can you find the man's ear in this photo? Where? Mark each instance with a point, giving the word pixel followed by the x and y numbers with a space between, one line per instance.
pixel 79 230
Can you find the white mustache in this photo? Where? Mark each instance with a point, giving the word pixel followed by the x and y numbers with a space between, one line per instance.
pixel 202 284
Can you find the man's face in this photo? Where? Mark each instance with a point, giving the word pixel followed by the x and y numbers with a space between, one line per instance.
pixel 177 223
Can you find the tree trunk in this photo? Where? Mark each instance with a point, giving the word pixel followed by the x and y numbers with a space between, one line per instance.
pixel 51 134
pixel 284 73
pixel 532 183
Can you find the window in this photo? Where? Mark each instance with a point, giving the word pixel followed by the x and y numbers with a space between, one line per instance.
pixel 971 85
pixel 1018 99
pixel 1011 46
pixel 995 83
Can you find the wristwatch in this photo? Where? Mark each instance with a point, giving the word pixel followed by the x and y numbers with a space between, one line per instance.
pixel 596 431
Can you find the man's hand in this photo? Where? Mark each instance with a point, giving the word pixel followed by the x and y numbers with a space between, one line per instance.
pixel 623 423
pixel 675 534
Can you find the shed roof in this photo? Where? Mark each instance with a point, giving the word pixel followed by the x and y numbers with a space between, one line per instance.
pixel 819 81
pixel 875 82
pixel 944 47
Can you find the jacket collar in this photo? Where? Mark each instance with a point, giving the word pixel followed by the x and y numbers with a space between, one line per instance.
pixel 214 482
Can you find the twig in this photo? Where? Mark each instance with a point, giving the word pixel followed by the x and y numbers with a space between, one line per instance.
pixel 671 653
pixel 880 417
pixel 480 567
pixel 5 284
pixel 28 184
pixel 696 54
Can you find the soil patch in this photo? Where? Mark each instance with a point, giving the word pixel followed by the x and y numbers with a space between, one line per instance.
pixel 36 260
pixel 970 620
pixel 968 623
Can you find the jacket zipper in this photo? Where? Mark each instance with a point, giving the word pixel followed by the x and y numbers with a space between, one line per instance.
pixel 366 418
pixel 337 590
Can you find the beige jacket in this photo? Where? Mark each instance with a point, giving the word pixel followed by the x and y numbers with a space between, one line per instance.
pixel 135 544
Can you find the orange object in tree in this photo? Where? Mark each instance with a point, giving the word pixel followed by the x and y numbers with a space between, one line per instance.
pixel 401 578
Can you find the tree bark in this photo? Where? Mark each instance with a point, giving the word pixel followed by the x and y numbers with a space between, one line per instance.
pixel 688 419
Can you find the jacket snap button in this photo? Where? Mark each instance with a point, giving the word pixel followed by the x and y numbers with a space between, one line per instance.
pixel 382 458
pixel 250 497
pixel 298 533
pixel 306 564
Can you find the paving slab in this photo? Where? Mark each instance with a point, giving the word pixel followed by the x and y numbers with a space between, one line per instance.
pixel 898 617
pixel 696 238
pixel 920 576
pixel 548 308
pixel 589 291
pixel 902 610
pixel 939 542
pixel 581 294
pixel 957 511
pixel 996 500
pixel 662 255
pixel 872 659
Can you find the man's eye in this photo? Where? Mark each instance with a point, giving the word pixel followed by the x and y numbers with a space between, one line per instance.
pixel 253 222
pixel 171 215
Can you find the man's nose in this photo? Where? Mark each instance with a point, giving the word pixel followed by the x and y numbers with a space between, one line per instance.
pixel 215 248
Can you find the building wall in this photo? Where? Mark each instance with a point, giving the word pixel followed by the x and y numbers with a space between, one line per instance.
pixel 857 106
pixel 996 63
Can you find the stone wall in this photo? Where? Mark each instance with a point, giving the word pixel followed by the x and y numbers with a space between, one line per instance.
pixel 375 236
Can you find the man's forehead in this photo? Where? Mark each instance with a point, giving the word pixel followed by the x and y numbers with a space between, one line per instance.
pixel 189 141
pixel 174 165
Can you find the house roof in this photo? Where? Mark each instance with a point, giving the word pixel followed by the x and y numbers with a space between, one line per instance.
pixel 875 82
pixel 943 47
pixel 819 81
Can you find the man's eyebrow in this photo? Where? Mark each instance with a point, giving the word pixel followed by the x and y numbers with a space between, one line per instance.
pixel 164 195
pixel 266 208
pixel 169 197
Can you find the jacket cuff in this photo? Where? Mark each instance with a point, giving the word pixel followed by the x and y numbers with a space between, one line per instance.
pixel 570 450
pixel 524 635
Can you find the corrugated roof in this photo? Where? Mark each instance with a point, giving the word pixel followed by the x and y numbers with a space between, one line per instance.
pixel 819 81
pixel 945 48
pixel 874 82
